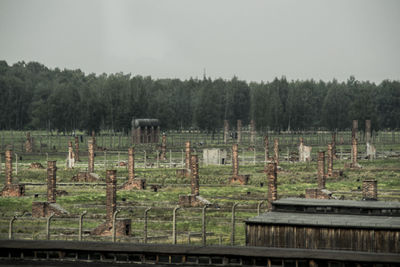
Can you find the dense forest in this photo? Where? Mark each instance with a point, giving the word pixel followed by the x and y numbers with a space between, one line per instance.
pixel 33 96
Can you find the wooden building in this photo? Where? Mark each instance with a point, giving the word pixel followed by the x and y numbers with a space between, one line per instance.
pixel 370 226
pixel 145 131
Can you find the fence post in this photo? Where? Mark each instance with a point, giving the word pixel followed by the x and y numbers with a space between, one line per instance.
pixel 48 226
pixel 10 228
pixel 204 233
pixel 81 224
pixel 259 206
pixel 233 224
pixel 145 224
pixel 174 225
pixel 114 228
pixel 254 158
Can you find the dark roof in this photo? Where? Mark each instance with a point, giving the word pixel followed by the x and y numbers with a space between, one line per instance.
pixel 145 122
pixel 338 203
pixel 327 220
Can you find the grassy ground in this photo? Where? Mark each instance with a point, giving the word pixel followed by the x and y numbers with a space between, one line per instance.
pixel 292 181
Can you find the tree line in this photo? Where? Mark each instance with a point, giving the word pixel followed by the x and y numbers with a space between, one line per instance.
pixel 33 96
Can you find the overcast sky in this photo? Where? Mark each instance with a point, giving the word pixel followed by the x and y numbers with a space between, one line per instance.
pixel 254 40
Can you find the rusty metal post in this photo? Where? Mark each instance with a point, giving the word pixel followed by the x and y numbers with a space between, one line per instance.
pixel 321 170
pixel 81 225
pixel 252 132
pixel 266 148
pixel 272 183
pixel 187 155
pixel 77 149
pixel 233 223
pixel 51 181
pixel 111 194
pixel 276 151
pixel 226 131
pixel 174 225
pixel 91 155
pixel 235 160
pixel 239 131
pixel 10 227
pixel 114 225
pixel 145 224
pixel 203 228
pixel 367 131
pixel 131 164
pixel 195 175
pixel 48 226
pixel 259 207
pixel 8 167
pixel 330 161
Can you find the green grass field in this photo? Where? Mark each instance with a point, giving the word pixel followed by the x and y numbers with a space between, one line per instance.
pixel 293 179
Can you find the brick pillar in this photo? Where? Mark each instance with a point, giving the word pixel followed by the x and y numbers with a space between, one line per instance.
pixel 163 147
pixel 266 147
pixel 276 151
pixel 354 152
pixel 195 174
pixel 94 140
pixel 226 131
pixel 370 190
pixel 321 170
pixel 91 155
pixel 111 194
pixel 51 181
pixel 252 132
pixel 131 164
pixel 77 148
pixel 368 131
pixel 272 184
pixel 355 129
pixel 9 168
pixel 235 160
pixel 187 155
pixel 301 150
pixel 239 131
pixel 71 156
pixel 330 160
pixel 28 143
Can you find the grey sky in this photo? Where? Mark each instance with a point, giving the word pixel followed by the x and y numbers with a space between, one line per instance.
pixel 254 40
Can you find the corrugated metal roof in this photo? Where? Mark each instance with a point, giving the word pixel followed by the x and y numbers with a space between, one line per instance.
pixel 338 203
pixel 328 220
